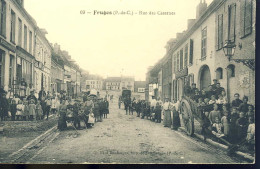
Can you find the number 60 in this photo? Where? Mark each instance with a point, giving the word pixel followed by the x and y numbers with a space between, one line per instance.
pixel 82 12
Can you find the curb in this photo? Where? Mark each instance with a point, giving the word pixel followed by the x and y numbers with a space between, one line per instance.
pixel 222 146
pixel 34 141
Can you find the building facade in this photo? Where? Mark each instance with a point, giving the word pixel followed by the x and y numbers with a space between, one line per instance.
pixel 94 84
pixel 197 55
pixel 43 62
pixel 113 83
pixel 17 36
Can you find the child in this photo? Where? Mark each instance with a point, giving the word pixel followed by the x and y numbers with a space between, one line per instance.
pixel 241 124
pixel 20 110
pixel 48 107
pixel 32 109
pixel 213 99
pixel 251 133
pixel 221 100
pixel 206 101
pixel 233 128
pixel 13 109
pixel 39 112
pixel 225 123
pixel 217 128
pixel 213 114
pixel 26 110
pixel 251 112
pixel 201 103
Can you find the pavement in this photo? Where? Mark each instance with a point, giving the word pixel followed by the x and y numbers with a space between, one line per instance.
pixel 128 139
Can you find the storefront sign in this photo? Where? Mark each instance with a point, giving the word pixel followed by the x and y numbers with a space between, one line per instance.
pixel 7 45
pixel 181 73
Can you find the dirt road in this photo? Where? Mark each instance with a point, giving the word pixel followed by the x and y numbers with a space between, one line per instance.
pixel 128 139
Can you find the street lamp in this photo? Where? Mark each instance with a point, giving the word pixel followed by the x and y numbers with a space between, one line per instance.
pixel 229 49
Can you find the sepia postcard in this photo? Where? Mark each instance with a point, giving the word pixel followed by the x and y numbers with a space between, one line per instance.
pixel 127 82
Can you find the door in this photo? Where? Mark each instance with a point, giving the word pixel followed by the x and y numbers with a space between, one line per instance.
pixel 205 77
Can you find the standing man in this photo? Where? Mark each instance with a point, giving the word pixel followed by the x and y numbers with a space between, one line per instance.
pixel 119 102
pixel 193 89
pixel 4 107
pixel 218 89
pixel 236 103
pixel 153 104
pixel 32 96
pixel 42 93
pixel 127 103
pixel 214 85
pixel 106 108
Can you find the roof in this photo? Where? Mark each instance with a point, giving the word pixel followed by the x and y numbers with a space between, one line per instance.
pixel 113 79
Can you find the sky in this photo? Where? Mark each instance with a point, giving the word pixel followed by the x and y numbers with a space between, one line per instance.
pixel 112 45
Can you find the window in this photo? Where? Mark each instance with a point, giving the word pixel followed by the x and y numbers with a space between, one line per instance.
pixel 12 31
pixel 25 37
pixel 231 70
pixel 174 64
pixel 191 52
pixel 11 68
pixel 204 44
pixel 2 53
pixel 20 32
pixel 231 22
pixel 220 32
pixel 186 56
pixel 30 42
pixel 219 73
pixel 181 59
pixel 246 7
pixel 2 17
pixel 178 61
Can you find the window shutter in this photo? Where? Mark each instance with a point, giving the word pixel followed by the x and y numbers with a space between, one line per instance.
pixel 248 17
pixel 242 18
pixel 191 52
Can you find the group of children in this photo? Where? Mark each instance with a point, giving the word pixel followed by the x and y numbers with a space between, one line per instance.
pixel 234 122
pixel 32 109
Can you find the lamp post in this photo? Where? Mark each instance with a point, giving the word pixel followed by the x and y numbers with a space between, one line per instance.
pixel 229 49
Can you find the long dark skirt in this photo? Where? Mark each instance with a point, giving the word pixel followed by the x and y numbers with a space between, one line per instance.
pixel 62 125
pixel 175 120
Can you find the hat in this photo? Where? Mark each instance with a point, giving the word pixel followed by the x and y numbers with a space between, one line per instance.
pixel 236 94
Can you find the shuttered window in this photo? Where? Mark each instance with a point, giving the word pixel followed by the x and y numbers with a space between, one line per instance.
pixel 232 22
pixel 204 44
pixel 181 59
pixel 12 31
pixel 186 56
pixel 178 61
pixel 220 31
pixel 246 7
pixel 191 52
pixel 2 18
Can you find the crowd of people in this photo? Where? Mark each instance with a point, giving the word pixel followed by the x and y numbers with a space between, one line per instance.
pixel 233 121
pixel 91 110
pixel 28 108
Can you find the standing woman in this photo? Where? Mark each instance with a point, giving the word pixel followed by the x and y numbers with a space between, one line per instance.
pixel 167 122
pixel 106 108
pixel 32 109
pixel 62 115
pixel 96 110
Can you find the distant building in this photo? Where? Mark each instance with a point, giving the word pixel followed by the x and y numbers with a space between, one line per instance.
pixel 113 83
pixel 94 82
pixel 139 86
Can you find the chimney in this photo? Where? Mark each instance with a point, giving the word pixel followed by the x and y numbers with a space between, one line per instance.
pixel 191 22
pixel 56 48
pixel 179 35
pixel 201 8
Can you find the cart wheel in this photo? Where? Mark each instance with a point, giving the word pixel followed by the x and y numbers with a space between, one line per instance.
pixel 187 117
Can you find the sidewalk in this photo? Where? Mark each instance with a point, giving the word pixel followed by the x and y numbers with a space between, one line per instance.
pixel 18 133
